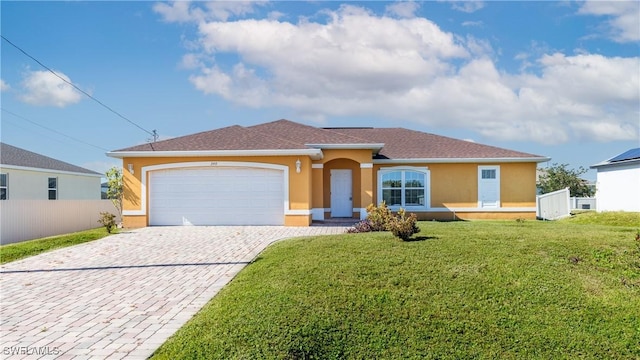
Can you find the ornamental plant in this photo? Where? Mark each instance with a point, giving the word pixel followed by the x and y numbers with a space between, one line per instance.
pixel 108 220
pixel 403 226
pixel 380 218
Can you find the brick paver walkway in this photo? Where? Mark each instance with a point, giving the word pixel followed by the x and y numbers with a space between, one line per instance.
pixel 124 295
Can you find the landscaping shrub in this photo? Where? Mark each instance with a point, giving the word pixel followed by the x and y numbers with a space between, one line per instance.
pixel 403 226
pixel 360 227
pixel 108 220
pixel 380 218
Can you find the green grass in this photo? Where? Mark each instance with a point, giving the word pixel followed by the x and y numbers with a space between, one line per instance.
pixel 614 218
pixel 13 252
pixel 484 290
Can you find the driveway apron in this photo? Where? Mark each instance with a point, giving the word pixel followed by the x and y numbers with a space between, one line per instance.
pixel 124 295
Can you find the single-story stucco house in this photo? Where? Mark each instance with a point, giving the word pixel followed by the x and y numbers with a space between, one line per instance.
pixel 618 182
pixel 25 175
pixel 286 173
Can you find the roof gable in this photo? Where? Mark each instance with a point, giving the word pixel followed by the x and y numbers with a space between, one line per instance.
pixel 15 156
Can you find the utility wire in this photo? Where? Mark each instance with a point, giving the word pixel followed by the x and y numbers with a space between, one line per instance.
pixel 55 131
pixel 153 133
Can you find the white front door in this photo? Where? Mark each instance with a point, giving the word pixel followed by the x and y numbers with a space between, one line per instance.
pixel 341 196
pixel 488 186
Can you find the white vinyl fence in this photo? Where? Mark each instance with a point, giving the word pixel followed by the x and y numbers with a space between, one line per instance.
pixel 553 205
pixel 583 203
pixel 22 220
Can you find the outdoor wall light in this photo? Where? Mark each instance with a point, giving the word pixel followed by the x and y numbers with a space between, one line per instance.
pixel 131 168
pixel 298 165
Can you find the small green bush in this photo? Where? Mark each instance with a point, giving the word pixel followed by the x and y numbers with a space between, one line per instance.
pixel 403 226
pixel 108 220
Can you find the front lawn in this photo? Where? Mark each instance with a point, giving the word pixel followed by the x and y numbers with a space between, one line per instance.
pixel 17 251
pixel 541 290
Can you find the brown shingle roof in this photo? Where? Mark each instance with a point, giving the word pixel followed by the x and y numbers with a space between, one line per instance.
pixel 409 144
pixel 306 134
pixel 228 138
pixel 399 143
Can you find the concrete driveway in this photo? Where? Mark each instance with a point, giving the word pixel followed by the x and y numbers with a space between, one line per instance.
pixel 124 295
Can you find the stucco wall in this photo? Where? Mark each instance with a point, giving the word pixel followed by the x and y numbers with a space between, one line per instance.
pixel 453 186
pixel 456 185
pixel 618 188
pixel 34 185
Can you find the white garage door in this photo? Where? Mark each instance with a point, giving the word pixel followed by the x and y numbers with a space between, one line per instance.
pixel 216 196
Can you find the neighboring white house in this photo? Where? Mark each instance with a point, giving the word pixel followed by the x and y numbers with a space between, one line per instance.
pixel 41 196
pixel 25 175
pixel 618 182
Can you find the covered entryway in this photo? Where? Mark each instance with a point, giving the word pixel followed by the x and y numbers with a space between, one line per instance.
pixel 217 196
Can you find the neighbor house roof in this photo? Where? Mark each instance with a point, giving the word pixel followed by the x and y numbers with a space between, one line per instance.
pixel 631 156
pixel 11 156
pixel 283 137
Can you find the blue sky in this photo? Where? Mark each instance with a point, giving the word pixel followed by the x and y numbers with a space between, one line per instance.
pixel 559 79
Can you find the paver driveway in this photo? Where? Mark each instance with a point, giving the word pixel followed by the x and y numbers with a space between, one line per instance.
pixel 124 295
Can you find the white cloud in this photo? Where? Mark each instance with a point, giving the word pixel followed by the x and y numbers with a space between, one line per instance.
pixel 275 15
pixel 4 86
pixel 473 23
pixel 623 24
pixel 359 64
pixel 469 6
pixel 185 11
pixel 43 88
pixel 402 9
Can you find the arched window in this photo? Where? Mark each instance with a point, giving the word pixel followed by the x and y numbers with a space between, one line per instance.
pixel 403 187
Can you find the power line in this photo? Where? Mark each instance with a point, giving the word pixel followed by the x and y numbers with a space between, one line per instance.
pixel 52 130
pixel 152 133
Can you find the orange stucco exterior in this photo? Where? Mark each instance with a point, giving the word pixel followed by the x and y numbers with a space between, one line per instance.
pixel 452 187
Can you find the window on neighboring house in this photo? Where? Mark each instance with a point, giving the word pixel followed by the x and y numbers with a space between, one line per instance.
pixel 403 188
pixel 4 188
pixel 53 188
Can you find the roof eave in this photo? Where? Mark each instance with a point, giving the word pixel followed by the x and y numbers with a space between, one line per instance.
pixel 315 154
pixel 31 168
pixel 615 163
pixel 462 160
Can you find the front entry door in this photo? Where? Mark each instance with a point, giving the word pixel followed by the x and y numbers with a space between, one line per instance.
pixel 341 196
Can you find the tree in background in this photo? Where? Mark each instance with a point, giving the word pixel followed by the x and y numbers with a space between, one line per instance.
pixel 559 176
pixel 114 187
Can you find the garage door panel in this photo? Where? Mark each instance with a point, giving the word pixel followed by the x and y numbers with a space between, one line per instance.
pixel 217 196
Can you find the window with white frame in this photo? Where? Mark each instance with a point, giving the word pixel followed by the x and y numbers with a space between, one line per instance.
pixel 403 187
pixel 53 188
pixel 4 187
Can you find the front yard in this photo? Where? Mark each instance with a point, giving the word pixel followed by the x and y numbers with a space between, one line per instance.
pixel 566 289
pixel 20 250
